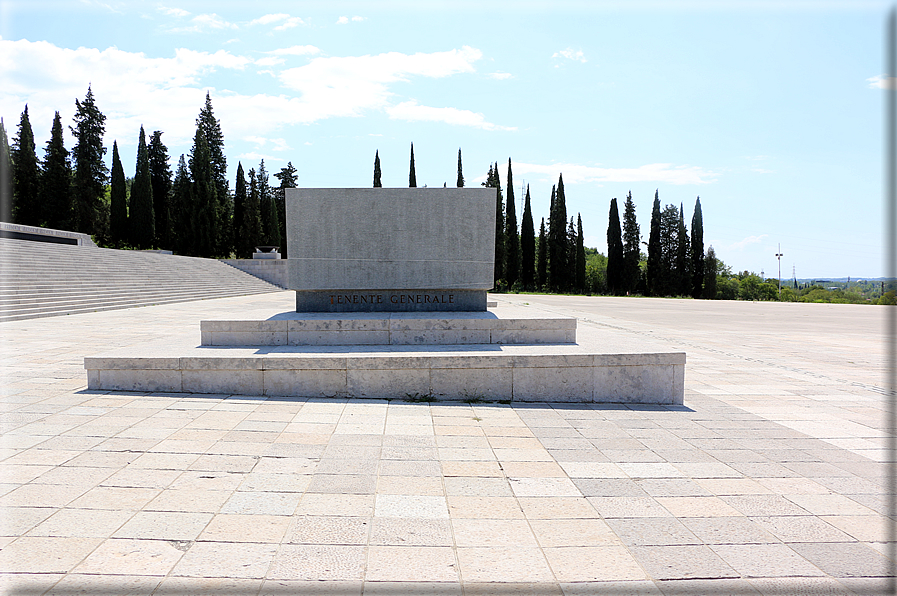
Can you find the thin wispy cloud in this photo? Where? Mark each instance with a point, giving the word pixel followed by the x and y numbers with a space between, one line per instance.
pixel 295 51
pixel 411 111
pixel 500 75
pixel 345 20
pixel 656 172
pixel 882 81
pixel 286 21
pixel 740 245
pixel 203 23
pixel 571 54
pixel 174 12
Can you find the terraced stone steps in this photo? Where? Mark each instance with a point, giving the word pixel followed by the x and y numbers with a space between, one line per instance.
pixel 42 279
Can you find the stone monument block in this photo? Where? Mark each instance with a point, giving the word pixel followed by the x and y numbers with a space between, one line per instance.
pixel 390 249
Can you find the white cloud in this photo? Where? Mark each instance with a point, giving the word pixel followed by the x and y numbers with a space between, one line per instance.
pixel 342 21
pixel 412 112
pixel 289 24
pixel 500 75
pixel 749 240
pixel 203 23
pixel 175 12
pixel 357 19
pixel 295 51
pixel 347 86
pixel 762 171
pixel 882 82
pixel 269 18
pixel 278 144
pixel 655 172
pixel 570 54
pixel 130 88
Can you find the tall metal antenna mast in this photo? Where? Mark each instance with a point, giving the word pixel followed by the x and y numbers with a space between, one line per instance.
pixel 779 257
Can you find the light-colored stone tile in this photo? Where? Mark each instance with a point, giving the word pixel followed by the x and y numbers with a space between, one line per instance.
pixel 262 503
pixel 415 506
pixel 164 525
pixel 110 497
pixel 573 532
pixel 411 563
pixel 503 564
pixel 728 530
pixel 681 562
pixel 335 504
pixel 493 532
pixel 411 532
pixel 829 504
pixel 593 563
pixel 225 559
pixel 323 529
pixel 410 485
pixel 557 508
pixel 544 487
pixel 697 506
pixel 225 527
pixel 484 508
pixel 318 563
pixel 131 557
pixel 765 560
pixel 39 554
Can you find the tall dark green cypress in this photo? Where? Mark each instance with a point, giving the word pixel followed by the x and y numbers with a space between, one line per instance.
pixel 241 237
pixel 460 182
pixel 493 181
pixel 56 180
pixel 631 246
pixel 288 179
pixel 377 183
pixel 542 259
pixel 571 256
pixel 205 203
pixel 270 221
pixel 697 250
pixel 615 263
pixel 580 269
pixel 653 273
pixel 683 261
pixel 140 216
pixel 710 274
pixel 26 176
pixel 222 207
pixel 412 177
pixel 512 238
pixel 254 233
pixel 119 230
pixel 669 251
pixel 527 246
pixel 558 261
pixel 160 173
pixel 182 210
pixel 5 176
pixel 89 185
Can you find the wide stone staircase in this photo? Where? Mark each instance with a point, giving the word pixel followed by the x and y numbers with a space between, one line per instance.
pixel 40 279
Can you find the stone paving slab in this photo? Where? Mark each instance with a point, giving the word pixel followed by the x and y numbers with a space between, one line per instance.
pixel 768 480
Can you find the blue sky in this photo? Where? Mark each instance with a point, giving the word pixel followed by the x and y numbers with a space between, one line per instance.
pixel 771 112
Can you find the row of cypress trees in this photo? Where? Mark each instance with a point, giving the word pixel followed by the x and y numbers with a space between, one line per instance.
pixel 194 213
pixel 676 264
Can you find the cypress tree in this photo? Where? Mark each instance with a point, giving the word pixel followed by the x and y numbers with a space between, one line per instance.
pixel 119 231
pixel 89 185
pixel 512 239
pixel 460 181
pixel 571 256
pixel 254 230
pixel 527 246
pixel 683 262
pixel 710 274
pixel 697 250
pixel 580 269
pixel 669 251
pixel 222 206
pixel 615 264
pixel 241 236
pixel 493 181
pixel 653 273
pixel 141 217
pixel 377 183
pixel 182 210
pixel 412 177
pixel 558 262
pixel 56 181
pixel 288 179
pixel 542 260
pixel 631 246
pixel 204 209
pixel 160 174
pixel 5 176
pixel 26 176
pixel 270 221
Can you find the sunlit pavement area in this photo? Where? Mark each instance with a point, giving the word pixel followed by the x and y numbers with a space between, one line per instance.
pixel 769 480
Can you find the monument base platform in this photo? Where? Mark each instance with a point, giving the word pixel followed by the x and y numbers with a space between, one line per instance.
pixel 450 328
pixel 604 366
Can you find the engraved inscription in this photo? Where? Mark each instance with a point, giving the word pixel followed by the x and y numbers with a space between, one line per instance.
pixel 378 298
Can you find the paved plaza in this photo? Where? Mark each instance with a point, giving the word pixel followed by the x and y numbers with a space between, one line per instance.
pixel 769 480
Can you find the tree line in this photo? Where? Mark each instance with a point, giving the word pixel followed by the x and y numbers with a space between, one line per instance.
pixel 191 211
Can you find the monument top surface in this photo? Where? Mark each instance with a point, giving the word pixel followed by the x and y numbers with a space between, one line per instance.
pixel 391 239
